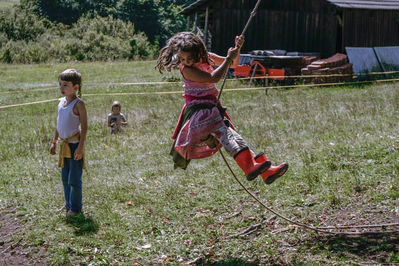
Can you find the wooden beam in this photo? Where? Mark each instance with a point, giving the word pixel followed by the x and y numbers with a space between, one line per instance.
pixel 195 21
pixel 188 23
pixel 206 26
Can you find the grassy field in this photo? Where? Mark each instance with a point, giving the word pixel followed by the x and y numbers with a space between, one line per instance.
pixel 7 3
pixel 341 143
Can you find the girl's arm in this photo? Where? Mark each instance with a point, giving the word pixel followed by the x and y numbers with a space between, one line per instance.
pixel 216 58
pixel 194 74
pixel 219 59
pixel 239 41
pixel 123 120
pixel 81 108
pixel 53 149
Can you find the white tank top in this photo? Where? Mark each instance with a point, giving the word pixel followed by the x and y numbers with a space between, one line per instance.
pixel 68 124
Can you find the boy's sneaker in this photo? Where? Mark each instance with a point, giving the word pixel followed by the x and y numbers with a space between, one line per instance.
pixel 63 208
pixel 71 213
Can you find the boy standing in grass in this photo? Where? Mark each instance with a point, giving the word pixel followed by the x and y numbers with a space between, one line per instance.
pixel 71 130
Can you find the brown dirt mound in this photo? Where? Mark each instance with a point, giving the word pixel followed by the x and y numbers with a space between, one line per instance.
pixel 13 249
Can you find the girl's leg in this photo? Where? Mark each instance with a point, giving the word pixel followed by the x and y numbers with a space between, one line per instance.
pixel 65 183
pixel 273 172
pixel 231 140
pixel 75 181
pixel 238 149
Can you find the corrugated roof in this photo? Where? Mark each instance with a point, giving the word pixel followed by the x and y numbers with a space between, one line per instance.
pixel 356 4
pixel 193 6
pixel 367 4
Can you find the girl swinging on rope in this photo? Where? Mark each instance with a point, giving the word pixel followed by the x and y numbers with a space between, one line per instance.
pixel 204 126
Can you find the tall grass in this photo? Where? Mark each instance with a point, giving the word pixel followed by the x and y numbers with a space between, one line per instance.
pixel 7 3
pixel 341 144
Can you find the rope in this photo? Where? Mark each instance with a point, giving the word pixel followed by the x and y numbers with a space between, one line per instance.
pixel 231 90
pixel 253 13
pixel 317 229
pixel 51 87
pixel 30 103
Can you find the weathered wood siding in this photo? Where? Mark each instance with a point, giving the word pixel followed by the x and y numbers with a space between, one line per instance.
pixel 369 28
pixel 300 25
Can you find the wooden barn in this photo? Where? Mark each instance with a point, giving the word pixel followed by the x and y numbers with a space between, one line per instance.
pixel 324 26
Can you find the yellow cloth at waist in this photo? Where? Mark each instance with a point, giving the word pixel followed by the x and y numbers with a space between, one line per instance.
pixel 65 150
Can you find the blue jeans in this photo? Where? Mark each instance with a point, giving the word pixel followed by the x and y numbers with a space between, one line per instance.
pixel 71 175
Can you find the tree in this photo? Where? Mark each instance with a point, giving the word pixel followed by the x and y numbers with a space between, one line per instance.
pixel 158 19
pixel 69 11
pixel 143 14
pixel 170 19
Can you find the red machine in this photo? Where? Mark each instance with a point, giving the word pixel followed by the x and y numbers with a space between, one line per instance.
pixel 257 70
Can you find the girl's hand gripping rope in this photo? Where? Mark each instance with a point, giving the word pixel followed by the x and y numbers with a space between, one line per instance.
pixel 233 55
pixel 239 41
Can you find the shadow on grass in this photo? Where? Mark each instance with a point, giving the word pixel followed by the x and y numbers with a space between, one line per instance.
pixel 381 247
pixel 83 225
pixel 230 262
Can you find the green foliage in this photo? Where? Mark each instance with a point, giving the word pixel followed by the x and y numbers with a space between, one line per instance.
pixel 86 30
pixel 157 19
pixel 22 24
pixel 170 19
pixel 89 39
pixel 143 14
pixel 69 11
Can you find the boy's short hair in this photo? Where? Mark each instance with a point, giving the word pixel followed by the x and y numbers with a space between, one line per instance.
pixel 71 75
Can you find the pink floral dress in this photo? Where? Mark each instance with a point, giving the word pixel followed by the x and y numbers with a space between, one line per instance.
pixel 191 130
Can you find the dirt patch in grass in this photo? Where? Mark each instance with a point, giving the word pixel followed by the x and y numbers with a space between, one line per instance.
pixel 374 245
pixel 13 249
pixel 358 213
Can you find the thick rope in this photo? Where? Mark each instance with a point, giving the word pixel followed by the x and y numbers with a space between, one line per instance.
pixel 317 229
pixel 253 13
pixel 150 83
pixel 231 90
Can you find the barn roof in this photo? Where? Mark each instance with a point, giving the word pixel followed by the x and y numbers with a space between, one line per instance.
pixel 194 6
pixel 355 4
pixel 367 4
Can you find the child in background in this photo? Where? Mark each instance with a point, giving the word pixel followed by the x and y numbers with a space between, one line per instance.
pixel 71 130
pixel 116 119
pixel 203 125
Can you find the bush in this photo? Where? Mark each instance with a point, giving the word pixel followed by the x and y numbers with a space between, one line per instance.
pixel 157 19
pixel 22 24
pixel 69 12
pixel 89 39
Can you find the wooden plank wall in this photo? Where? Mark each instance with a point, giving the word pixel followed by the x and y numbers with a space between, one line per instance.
pixel 300 25
pixel 369 28
pixel 292 25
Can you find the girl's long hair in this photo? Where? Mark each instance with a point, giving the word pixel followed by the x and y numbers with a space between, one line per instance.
pixel 185 42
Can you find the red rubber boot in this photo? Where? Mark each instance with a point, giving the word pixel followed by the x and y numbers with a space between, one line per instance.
pixel 247 163
pixel 273 172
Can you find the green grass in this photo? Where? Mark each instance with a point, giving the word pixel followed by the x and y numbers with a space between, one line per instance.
pixel 7 3
pixel 341 144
